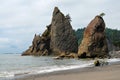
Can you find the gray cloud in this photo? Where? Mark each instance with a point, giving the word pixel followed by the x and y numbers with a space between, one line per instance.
pixel 21 19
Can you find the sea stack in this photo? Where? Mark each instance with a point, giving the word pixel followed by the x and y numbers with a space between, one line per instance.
pixel 94 43
pixel 58 38
pixel 63 38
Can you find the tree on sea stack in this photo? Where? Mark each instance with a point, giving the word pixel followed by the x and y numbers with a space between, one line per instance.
pixel 68 17
pixel 102 14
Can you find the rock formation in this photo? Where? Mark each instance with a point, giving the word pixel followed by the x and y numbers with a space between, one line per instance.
pixel 94 42
pixel 40 44
pixel 63 38
pixel 58 38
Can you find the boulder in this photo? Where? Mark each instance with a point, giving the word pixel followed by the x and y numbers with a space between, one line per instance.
pixel 101 62
pixel 96 63
pixel 94 42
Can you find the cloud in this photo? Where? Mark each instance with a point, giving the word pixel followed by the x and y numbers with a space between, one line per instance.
pixel 4 40
pixel 21 19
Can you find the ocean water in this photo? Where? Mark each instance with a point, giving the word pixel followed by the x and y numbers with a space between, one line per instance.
pixel 15 64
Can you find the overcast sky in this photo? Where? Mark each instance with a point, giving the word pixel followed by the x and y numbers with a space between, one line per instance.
pixel 21 19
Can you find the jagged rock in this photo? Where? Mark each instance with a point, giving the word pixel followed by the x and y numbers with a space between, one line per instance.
pixel 61 56
pixel 59 37
pixel 63 37
pixel 40 44
pixel 27 52
pixel 66 55
pixel 72 55
pixel 94 42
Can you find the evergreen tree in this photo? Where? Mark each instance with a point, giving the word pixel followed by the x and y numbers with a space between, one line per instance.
pixel 68 17
pixel 112 34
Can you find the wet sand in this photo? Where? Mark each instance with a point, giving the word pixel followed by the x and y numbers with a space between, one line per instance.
pixel 110 72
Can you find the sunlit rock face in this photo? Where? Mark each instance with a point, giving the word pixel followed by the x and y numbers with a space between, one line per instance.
pixel 94 42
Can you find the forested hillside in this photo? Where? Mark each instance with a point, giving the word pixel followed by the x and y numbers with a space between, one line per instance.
pixel 112 34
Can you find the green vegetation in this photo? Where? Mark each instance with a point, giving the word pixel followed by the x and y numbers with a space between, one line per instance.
pixel 68 17
pixel 102 14
pixel 111 34
pixel 79 33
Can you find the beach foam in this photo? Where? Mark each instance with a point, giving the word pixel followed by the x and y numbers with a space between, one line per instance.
pixel 40 70
pixel 61 68
pixel 114 60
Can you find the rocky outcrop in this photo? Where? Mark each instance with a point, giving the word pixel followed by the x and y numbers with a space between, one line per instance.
pixel 94 42
pixel 58 38
pixel 40 44
pixel 67 56
pixel 63 37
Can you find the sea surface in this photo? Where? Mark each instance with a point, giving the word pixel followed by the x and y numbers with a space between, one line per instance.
pixel 15 64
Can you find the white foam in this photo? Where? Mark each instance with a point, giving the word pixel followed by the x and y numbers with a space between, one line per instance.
pixel 40 70
pixel 61 68
pixel 114 60
pixel 6 74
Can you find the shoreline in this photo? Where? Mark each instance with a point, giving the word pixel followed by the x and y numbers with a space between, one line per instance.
pixel 100 73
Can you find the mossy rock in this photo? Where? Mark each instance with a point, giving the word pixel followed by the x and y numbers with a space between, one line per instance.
pixel 97 63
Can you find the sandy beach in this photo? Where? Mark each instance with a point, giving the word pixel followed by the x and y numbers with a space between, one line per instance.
pixel 111 72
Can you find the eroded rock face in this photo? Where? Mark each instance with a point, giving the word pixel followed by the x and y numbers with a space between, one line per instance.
pixel 40 44
pixel 94 42
pixel 63 37
pixel 58 38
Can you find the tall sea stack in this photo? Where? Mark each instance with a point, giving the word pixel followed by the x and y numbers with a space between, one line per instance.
pixel 94 42
pixel 58 38
pixel 63 37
